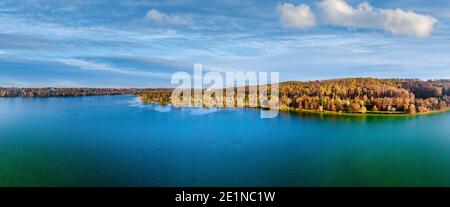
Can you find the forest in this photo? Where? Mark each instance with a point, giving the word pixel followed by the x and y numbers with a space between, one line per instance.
pixel 69 92
pixel 351 95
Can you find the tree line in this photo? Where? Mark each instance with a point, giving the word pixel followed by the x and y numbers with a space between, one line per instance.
pixel 353 95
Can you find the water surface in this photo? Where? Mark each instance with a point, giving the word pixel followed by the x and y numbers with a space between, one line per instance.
pixel 117 141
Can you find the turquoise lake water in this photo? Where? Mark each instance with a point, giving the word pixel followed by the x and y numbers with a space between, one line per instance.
pixel 117 141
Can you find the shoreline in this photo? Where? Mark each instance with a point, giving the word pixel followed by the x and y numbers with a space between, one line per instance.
pixel 328 113
pixel 282 109
pixel 332 113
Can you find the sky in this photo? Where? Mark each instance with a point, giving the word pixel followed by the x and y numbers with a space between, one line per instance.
pixel 141 43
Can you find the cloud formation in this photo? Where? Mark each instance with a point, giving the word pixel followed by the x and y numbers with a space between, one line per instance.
pixel 365 16
pixel 396 21
pixel 88 65
pixel 299 16
pixel 162 18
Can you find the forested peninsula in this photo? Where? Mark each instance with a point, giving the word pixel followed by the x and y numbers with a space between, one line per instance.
pixel 350 95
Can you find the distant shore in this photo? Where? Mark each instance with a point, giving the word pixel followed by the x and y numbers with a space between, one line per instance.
pixel 71 92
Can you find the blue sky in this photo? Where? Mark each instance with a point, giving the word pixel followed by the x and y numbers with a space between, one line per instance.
pixel 140 43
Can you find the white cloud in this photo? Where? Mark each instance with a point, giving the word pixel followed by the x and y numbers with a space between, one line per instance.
pixel 396 21
pixel 162 18
pixel 4 52
pixel 340 13
pixel 299 16
pixel 88 65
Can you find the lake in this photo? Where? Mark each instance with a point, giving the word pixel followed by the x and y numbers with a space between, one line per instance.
pixel 117 141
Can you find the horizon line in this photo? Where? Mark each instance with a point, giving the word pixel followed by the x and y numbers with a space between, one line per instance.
pixel 160 87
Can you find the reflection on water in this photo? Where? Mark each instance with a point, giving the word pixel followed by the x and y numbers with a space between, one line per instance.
pixel 136 102
pixel 201 111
